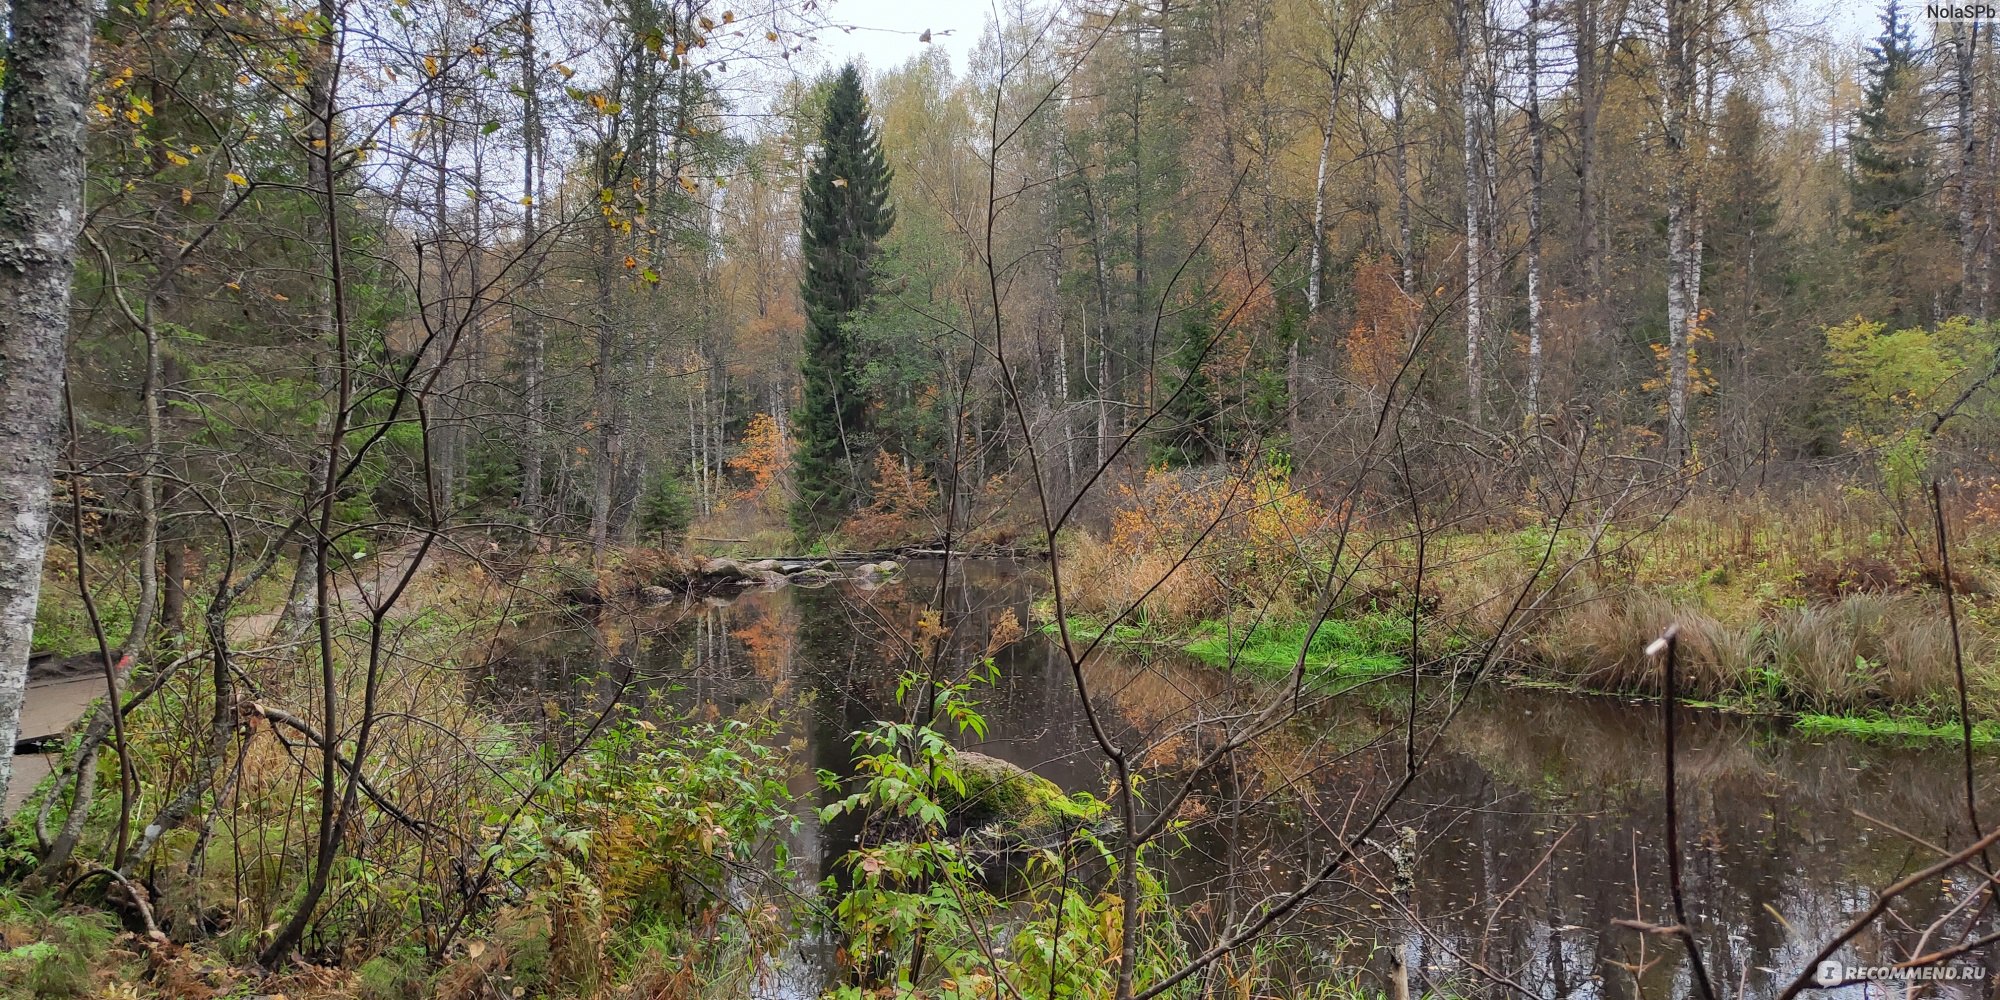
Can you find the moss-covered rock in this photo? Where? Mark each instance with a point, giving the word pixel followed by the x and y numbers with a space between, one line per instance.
pixel 1013 799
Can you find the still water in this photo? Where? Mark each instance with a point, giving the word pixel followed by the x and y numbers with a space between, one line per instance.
pixel 1537 820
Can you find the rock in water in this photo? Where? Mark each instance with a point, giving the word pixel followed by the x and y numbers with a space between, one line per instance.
pixel 726 569
pixel 1011 797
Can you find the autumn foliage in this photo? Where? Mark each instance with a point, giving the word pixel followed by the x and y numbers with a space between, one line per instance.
pixel 764 458
pixel 904 508
pixel 1384 317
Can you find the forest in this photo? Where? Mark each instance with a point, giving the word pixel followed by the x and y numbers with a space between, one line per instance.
pixel 1329 499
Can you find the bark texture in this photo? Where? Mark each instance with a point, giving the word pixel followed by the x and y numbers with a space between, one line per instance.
pixel 41 208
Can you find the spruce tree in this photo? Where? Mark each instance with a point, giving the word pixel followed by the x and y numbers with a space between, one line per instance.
pixel 845 213
pixel 1889 182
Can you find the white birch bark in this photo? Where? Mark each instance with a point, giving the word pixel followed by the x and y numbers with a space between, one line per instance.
pixel 1475 197
pixel 41 209
pixel 1535 168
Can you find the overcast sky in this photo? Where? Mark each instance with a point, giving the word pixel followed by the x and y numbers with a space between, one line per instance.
pixel 884 33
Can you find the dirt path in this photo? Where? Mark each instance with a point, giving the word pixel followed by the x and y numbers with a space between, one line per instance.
pixel 375 575
pixel 55 702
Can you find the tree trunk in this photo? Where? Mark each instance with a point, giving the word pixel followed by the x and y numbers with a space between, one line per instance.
pixel 1590 92
pixel 1405 232
pixel 1475 196
pixel 528 321
pixel 1535 167
pixel 1965 44
pixel 605 402
pixel 1318 261
pixel 41 208
pixel 1677 90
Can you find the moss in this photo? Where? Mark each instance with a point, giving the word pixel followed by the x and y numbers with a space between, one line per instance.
pixel 1020 800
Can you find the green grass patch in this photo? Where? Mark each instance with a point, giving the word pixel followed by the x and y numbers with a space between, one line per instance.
pixel 1882 727
pixel 1356 647
pixel 1364 646
pixel 1083 628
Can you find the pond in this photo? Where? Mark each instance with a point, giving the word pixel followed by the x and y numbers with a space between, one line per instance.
pixel 1536 823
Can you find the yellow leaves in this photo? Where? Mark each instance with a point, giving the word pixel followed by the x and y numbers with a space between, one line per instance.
pixel 237 179
pixel 631 262
pixel 232 286
pixel 566 71
pixel 528 200
pixel 187 196
pixel 770 36
pixel 279 297
pixel 430 66
pixel 728 17
pixel 175 158
pixel 840 182
pixel 598 102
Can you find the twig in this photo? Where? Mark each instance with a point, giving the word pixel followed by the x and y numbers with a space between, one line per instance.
pixel 1669 644
pixel 1957 660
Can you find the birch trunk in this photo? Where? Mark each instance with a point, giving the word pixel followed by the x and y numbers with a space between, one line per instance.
pixel 1475 197
pixel 41 208
pixel 1535 168
pixel 1680 243
pixel 1318 262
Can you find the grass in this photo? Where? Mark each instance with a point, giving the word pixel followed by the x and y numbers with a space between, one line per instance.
pixel 1817 600
pixel 1886 728
pixel 1358 647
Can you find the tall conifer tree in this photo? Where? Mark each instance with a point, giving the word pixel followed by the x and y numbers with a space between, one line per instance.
pixel 1890 183
pixel 846 213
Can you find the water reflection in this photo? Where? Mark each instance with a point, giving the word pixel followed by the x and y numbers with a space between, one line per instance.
pixel 1536 824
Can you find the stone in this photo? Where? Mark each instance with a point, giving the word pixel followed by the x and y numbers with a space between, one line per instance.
pixel 725 569
pixel 1017 800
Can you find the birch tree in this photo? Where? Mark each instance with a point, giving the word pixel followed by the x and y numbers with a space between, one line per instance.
pixel 41 209
pixel 1472 108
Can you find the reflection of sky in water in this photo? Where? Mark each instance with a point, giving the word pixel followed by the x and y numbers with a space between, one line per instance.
pixel 1536 825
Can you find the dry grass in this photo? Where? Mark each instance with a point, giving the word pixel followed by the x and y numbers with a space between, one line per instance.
pixel 1824 600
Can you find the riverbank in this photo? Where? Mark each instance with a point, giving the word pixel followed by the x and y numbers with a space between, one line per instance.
pixel 1824 608
pixel 1345 653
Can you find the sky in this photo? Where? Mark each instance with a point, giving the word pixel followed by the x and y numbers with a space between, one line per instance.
pixel 884 33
